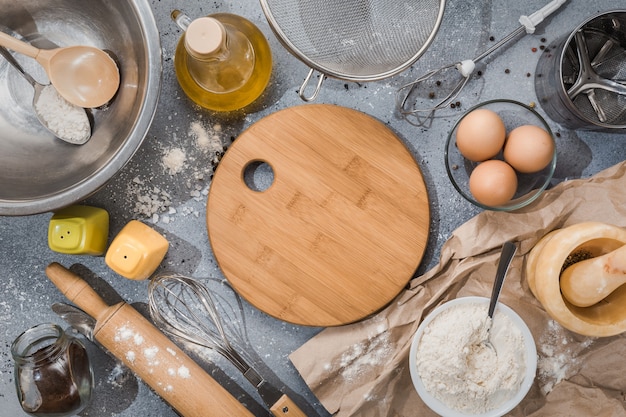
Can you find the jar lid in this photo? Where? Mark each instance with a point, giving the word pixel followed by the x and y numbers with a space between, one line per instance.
pixel 204 37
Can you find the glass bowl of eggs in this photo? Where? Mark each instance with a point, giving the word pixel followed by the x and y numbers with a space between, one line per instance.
pixel 500 155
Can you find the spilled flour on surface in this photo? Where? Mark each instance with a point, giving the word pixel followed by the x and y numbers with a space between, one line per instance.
pixel 174 161
pixel 149 200
pixel 119 375
pixel 116 374
pixel 183 372
pixel 192 161
pixel 558 356
pixel 207 141
pixel 368 356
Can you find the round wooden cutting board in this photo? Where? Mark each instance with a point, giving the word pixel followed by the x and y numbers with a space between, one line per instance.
pixel 342 226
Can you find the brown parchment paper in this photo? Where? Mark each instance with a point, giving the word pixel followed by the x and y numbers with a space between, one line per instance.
pixel 361 369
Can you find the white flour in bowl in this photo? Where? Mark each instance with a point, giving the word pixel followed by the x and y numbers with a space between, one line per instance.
pixel 459 370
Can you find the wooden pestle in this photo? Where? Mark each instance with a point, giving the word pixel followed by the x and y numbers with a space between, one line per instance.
pixel 587 282
pixel 161 364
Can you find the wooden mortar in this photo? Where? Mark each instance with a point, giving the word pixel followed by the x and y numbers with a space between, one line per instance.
pixel 543 273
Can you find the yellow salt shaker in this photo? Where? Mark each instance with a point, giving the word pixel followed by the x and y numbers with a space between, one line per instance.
pixel 79 230
pixel 137 251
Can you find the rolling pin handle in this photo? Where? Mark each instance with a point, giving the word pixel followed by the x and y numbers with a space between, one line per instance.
pixel 76 290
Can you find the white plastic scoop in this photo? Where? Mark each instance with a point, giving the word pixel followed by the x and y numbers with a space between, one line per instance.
pixel 83 75
pixel 70 125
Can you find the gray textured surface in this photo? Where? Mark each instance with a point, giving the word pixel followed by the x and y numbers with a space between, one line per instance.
pixel 26 294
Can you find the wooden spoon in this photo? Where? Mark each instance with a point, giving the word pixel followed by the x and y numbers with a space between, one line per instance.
pixel 587 282
pixel 83 75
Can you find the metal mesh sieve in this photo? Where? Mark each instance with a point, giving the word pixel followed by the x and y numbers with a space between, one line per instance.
pixel 354 40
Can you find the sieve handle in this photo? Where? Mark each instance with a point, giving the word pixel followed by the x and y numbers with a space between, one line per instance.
pixel 304 85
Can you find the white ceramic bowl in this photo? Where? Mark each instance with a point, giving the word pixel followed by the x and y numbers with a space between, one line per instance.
pixel 531 361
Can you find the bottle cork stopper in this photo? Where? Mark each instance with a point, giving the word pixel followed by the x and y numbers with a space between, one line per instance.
pixel 204 37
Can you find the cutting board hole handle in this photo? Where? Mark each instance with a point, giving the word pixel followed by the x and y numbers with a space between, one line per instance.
pixel 258 175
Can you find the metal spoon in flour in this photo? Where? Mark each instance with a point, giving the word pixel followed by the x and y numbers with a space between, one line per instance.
pixel 506 256
pixel 73 126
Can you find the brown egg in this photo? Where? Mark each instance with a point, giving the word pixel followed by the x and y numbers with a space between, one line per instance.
pixel 493 183
pixel 480 135
pixel 529 148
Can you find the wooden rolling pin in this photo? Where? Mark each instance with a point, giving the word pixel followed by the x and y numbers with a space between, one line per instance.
pixel 587 282
pixel 149 353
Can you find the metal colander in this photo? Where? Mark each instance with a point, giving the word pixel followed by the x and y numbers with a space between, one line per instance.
pixel 354 40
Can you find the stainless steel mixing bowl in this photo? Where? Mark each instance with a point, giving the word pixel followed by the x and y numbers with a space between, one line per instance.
pixel 39 173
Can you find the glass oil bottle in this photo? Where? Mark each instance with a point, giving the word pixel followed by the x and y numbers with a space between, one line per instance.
pixel 223 61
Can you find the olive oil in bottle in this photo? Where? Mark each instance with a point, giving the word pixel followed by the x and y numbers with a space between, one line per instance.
pixel 223 62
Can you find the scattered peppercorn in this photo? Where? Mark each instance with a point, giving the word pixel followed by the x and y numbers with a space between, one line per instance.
pixel 491 38
pixel 558 134
pixel 507 71
pixel 534 49
pixel 345 86
pixel 452 105
pixel 479 73
pixel 431 95
pixel 458 104
pixel 528 74
pixel 438 83
pixel 543 40
pixel 542 47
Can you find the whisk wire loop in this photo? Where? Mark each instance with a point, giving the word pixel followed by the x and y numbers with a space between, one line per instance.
pixel 464 72
pixel 428 111
pixel 184 308
pixel 528 24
